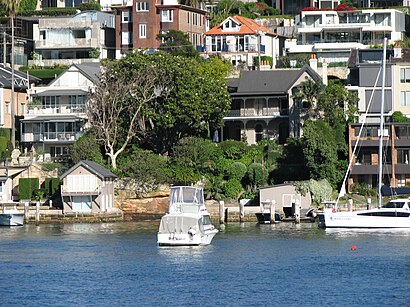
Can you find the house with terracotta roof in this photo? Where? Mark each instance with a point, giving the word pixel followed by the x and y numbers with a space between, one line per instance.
pixel 241 40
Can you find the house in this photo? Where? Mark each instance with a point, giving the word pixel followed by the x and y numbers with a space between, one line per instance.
pixel 87 188
pixel 56 115
pixel 285 197
pixel 138 25
pixel 263 107
pixel 84 37
pixel 331 34
pixel 241 40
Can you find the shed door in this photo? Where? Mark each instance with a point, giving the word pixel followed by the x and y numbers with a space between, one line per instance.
pixel 82 204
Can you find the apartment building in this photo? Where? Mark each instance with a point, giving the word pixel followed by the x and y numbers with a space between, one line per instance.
pixel 241 40
pixel 84 37
pixel 332 34
pixel 138 25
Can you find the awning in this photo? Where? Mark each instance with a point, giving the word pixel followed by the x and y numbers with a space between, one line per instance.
pixel 65 92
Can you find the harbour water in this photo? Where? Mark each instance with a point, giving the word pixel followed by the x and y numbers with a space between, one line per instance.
pixel 247 264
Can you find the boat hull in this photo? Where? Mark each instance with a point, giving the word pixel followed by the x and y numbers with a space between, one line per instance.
pixel 185 239
pixel 359 219
pixel 11 219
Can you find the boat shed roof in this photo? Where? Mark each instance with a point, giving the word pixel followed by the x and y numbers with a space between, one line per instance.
pixel 93 167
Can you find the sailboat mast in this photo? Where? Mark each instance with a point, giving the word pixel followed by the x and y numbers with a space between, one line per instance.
pixel 381 129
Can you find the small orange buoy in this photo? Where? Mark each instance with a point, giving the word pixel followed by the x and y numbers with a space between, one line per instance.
pixel 353 248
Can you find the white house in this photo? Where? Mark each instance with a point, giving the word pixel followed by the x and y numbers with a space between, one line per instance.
pixel 240 40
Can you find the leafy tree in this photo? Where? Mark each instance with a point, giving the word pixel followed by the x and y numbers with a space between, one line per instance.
pixel 399 117
pixel 233 150
pixel 232 188
pixel 114 108
pixel 86 148
pixel 255 175
pixel 332 101
pixel 319 190
pixel 237 170
pixel 143 169
pixel 28 5
pixel 193 102
pixel 321 152
pixel 177 43
pixel 213 187
pixel 309 91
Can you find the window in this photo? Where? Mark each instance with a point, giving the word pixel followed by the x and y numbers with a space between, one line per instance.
pixel 142 6
pixel 167 16
pixel 405 98
pixel 7 109
pixel 125 17
pixel 125 38
pixel 403 156
pixel 405 75
pixel 143 30
pixel 78 33
pixel 2 183
pixel 50 101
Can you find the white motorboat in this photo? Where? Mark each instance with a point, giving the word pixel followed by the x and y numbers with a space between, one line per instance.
pixel 11 217
pixel 394 214
pixel 187 221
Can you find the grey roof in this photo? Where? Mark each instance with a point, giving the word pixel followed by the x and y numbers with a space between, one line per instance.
pixel 90 70
pixel 93 167
pixel 62 92
pixel 277 81
pixel 20 78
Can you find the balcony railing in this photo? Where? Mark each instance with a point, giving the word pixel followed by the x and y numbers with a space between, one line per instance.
pixel 59 109
pixel 253 112
pixel 251 48
pixel 51 136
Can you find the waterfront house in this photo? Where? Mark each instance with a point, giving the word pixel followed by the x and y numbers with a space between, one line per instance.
pixel 56 115
pixel 263 106
pixel 87 188
pixel 240 40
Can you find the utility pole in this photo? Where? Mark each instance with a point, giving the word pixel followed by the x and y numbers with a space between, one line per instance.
pixel 4 48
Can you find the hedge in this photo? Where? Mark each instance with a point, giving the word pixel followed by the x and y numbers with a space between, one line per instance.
pixel 51 185
pixel 27 187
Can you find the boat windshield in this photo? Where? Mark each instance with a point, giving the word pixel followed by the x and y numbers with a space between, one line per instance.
pixel 395 204
pixel 206 220
pixel 186 195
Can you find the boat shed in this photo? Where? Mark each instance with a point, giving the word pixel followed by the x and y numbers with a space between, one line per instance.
pixel 87 188
pixel 286 198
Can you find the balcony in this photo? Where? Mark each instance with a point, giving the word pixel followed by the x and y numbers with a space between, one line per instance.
pixel 265 112
pixel 250 48
pixel 63 137
pixel 58 109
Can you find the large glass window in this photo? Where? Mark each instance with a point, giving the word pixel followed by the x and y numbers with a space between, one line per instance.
pixel 405 75
pixel 403 155
pixel 405 98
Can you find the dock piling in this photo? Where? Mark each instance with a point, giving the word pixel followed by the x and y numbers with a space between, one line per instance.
pixel 272 211
pixel 221 212
pixel 37 213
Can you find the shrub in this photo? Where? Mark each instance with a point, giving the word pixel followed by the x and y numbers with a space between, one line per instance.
pixel 237 170
pixel 232 189
pixel 233 149
pixel 255 175
pixel 27 186
pixel 51 186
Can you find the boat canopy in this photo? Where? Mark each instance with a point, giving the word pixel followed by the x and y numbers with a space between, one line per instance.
pixel 186 199
pixel 180 224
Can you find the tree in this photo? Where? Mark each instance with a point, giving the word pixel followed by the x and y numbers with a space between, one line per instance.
pixel 321 152
pixel 12 8
pixel 114 108
pixel 309 91
pixel 86 148
pixel 194 103
pixel 177 43
pixel 399 117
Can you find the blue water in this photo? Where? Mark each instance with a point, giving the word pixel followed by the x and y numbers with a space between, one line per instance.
pixel 247 265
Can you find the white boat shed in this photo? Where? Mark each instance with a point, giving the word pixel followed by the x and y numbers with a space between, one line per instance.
pixel 286 198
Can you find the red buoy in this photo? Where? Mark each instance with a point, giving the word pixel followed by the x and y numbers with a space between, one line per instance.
pixel 354 247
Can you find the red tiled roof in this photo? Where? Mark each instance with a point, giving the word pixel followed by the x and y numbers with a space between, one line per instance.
pixel 247 26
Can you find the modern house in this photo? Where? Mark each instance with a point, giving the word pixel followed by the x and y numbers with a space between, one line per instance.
pixel 56 115
pixel 138 25
pixel 241 40
pixel 85 37
pixel 87 188
pixel 331 34
pixel 263 106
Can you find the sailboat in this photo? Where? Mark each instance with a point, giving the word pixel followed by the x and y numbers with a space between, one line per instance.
pixel 394 214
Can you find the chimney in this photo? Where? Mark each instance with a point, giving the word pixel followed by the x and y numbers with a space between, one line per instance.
pixel 313 62
pixel 324 72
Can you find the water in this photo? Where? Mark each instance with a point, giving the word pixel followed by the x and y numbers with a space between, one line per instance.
pixel 247 265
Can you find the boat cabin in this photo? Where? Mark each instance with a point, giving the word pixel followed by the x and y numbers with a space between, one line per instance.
pixel 398 203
